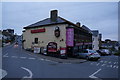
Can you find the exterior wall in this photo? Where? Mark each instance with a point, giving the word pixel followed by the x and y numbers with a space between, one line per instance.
pixel 45 37
pixel 0 39
pixel 95 43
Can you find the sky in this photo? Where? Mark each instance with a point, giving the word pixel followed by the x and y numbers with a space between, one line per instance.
pixel 102 16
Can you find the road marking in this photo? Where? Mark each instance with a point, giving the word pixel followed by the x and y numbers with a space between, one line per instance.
pixel 103 64
pixel 3 73
pixel 115 66
pixel 41 59
pixel 92 76
pixel 97 64
pixel 6 55
pixel 30 73
pixel 23 57
pixel 14 56
pixel 31 58
pixel 114 62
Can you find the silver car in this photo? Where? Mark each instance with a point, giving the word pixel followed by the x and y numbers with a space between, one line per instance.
pixel 89 54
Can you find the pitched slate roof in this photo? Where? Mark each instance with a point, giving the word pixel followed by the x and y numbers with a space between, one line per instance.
pixel 46 22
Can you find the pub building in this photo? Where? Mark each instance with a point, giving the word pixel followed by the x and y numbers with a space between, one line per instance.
pixel 57 35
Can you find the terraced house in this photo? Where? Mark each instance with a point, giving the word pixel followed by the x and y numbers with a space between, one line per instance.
pixel 55 34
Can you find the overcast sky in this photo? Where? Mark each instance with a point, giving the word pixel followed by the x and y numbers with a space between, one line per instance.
pixel 102 16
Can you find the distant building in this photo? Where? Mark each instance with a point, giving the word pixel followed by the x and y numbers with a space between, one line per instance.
pixel 96 39
pixel 110 44
pixel 10 31
pixel 58 30
pixel 8 35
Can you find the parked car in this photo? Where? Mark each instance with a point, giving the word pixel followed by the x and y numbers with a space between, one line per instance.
pixel 104 52
pixel 89 54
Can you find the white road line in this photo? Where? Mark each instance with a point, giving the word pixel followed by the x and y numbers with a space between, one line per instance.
pixel 115 66
pixel 30 73
pixel 6 55
pixel 114 62
pixel 97 64
pixel 103 64
pixel 23 57
pixel 14 56
pixel 41 59
pixel 92 76
pixel 3 73
pixel 31 58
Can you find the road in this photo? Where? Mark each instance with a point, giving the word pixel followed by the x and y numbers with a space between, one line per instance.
pixel 18 63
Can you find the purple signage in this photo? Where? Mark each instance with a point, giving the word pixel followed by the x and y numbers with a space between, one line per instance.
pixel 70 37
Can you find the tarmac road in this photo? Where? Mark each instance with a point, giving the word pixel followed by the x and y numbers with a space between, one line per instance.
pixel 18 63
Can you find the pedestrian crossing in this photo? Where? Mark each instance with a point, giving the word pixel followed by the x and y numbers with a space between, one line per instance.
pixel 109 64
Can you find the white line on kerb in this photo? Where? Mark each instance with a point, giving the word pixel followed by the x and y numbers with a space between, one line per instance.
pixel 92 76
pixel 30 73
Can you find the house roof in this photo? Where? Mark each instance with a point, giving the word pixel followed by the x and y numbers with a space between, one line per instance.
pixel 44 22
pixel 95 32
pixel 48 21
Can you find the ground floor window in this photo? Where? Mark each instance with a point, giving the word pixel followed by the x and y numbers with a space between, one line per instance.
pixel 36 40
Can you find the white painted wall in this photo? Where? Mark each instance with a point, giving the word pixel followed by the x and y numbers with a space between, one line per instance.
pixel 95 42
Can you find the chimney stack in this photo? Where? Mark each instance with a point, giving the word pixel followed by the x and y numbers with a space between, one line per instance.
pixel 54 15
pixel 78 24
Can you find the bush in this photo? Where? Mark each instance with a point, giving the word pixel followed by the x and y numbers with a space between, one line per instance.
pixel 117 53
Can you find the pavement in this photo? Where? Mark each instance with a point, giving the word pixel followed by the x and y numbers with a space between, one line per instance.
pixel 58 60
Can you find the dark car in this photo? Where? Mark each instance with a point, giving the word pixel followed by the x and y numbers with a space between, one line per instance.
pixel 104 52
